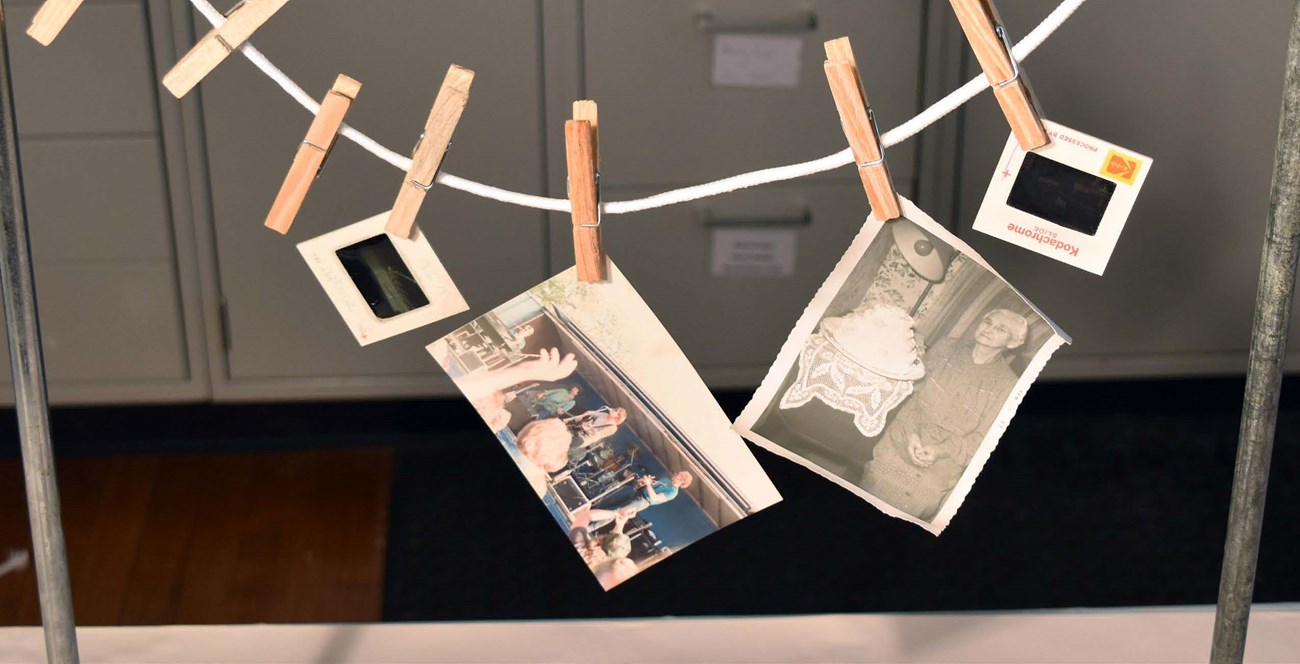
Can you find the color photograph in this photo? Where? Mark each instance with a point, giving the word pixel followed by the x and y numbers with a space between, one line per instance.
pixel 607 420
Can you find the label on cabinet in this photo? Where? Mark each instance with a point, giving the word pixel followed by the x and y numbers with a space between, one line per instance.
pixel 743 60
pixel 754 252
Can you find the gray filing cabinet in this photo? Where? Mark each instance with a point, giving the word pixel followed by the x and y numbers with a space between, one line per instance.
pixel 663 125
pixel 158 282
pixel 1196 86
pixel 119 309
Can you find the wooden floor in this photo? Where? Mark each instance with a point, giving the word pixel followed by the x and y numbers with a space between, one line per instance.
pixel 211 538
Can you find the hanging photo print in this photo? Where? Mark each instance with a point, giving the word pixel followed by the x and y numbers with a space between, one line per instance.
pixel 383 285
pixel 1067 200
pixel 607 420
pixel 903 371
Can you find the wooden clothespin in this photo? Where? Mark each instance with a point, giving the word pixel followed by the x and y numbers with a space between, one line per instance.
pixel 241 22
pixel 426 160
pixel 860 127
pixel 988 38
pixel 581 147
pixel 312 153
pixel 50 19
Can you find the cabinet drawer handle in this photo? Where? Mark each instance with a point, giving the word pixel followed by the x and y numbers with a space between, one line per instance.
pixel 800 21
pixel 800 218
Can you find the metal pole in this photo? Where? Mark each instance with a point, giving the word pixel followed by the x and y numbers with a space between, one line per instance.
pixel 29 385
pixel 1277 274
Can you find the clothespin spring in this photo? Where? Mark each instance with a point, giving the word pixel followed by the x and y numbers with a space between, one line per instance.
pixel 1015 64
pixel 600 208
pixel 228 13
pixel 875 129
pixel 429 185
pixel 326 150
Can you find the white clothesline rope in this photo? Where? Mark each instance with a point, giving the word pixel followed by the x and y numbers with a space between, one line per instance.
pixel 842 158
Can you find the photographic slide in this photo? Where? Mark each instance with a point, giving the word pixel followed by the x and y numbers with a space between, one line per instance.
pixel 381 284
pixel 904 371
pixel 1067 200
pixel 608 421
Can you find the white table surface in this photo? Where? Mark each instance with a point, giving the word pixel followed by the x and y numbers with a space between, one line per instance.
pixel 1111 635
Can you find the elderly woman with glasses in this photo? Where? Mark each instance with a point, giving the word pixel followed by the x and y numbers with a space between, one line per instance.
pixel 923 452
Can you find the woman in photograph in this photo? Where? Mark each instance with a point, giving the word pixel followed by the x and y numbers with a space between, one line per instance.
pixel 935 433
pixel 594 426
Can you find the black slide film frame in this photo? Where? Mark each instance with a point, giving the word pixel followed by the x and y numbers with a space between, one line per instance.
pixel 382 277
pixel 1061 194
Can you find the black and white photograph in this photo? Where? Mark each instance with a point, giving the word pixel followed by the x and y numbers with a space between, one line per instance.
pixel 607 420
pixel 903 371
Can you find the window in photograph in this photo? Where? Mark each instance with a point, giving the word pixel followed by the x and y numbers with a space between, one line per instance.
pixel 1061 194
pixel 382 277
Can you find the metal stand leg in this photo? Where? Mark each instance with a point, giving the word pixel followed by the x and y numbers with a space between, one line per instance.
pixel 29 386
pixel 1264 380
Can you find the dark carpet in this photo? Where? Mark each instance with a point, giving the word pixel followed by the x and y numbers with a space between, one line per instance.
pixel 1110 494
pixel 1099 494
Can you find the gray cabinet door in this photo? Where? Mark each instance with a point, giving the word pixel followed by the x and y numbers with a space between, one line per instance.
pixel 112 308
pixel 1194 84
pixel 650 64
pixel 285 339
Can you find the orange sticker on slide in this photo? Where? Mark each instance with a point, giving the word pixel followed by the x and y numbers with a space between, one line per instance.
pixel 1121 167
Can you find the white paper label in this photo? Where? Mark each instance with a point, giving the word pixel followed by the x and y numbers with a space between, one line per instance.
pixel 754 252
pixel 756 61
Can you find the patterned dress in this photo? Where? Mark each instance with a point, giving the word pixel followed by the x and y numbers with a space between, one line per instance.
pixel 951 410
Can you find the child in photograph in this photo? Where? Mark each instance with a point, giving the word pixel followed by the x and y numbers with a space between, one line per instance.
pixel 545 443
pixel 926 448
pixel 606 554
